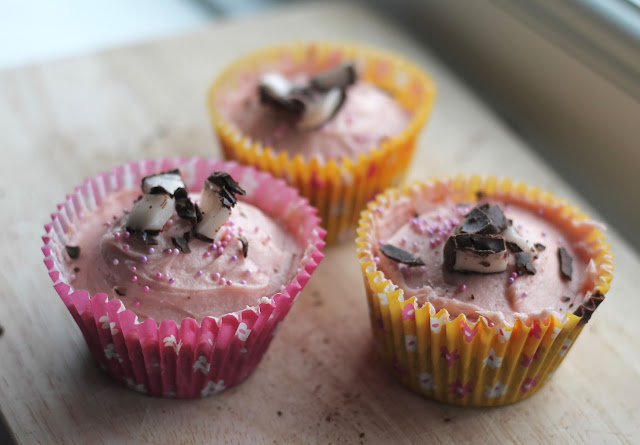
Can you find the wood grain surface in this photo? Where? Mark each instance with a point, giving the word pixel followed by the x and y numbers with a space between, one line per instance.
pixel 321 381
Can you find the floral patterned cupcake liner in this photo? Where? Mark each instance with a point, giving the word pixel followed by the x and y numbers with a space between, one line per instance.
pixel 186 359
pixel 338 188
pixel 458 361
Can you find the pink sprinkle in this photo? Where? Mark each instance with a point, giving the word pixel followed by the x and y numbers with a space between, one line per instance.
pixel 126 234
pixel 145 288
pixel 125 247
pixel 199 273
pixel 133 268
pixel 544 233
pixel 136 304
pixel 414 245
pixel 213 246
pixel 256 229
pixel 176 251
pixel 514 275
pixel 170 222
pixel 216 276
pixel 159 275
pixel 243 282
pixel 229 282
pixel 115 217
pixel 151 250
pixel 116 262
pixel 231 223
pixel 220 250
pixel 117 235
pixel 72 277
pixel 107 224
pixel 491 324
pixel 525 294
pixel 224 243
pixel 403 241
pixel 125 211
pixel 144 259
pixel 234 258
pixel 462 288
pixel 207 254
pixel 172 280
pixel 239 229
pixel 376 260
pixel 248 272
pixel 134 278
pixel 511 280
pixel 227 237
pixel 381 243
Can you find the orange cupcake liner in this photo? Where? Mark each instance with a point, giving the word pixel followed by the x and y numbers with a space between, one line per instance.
pixel 459 361
pixel 339 189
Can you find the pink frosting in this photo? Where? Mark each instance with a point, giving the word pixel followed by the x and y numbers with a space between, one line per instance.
pixel 163 283
pixel 368 116
pixel 494 296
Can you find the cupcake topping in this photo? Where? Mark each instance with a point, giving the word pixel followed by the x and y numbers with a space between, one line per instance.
pixel 480 241
pixel 169 181
pixel 218 198
pixel 401 256
pixel 312 104
pixel 73 251
pixel 166 192
pixel 566 263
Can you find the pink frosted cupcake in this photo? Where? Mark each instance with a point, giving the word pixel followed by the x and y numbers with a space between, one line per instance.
pixel 478 287
pixel 178 271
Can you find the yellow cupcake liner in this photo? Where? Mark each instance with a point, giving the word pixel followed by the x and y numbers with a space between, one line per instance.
pixel 339 188
pixel 459 361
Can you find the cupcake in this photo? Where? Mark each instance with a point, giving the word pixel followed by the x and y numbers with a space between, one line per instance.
pixel 338 122
pixel 179 271
pixel 478 287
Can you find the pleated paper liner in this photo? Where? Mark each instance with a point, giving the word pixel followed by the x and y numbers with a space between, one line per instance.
pixel 458 361
pixel 339 188
pixel 166 358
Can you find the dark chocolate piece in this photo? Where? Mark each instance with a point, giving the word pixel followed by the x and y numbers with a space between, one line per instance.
pixel 185 208
pixel 228 188
pixel 566 263
pixel 540 247
pixel 401 256
pixel 523 263
pixel 201 237
pixel 73 251
pixel 76 269
pixel 513 247
pixel 159 190
pixel 495 214
pixel 245 245
pixel 481 243
pixel 586 309
pixel 564 299
pixel 181 244
pixel 119 292
pixel 476 221
pixel 148 237
pixel 341 76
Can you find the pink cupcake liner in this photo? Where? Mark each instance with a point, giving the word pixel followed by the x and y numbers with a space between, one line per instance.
pixel 186 359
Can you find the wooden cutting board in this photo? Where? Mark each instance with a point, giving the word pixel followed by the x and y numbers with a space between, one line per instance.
pixel 321 381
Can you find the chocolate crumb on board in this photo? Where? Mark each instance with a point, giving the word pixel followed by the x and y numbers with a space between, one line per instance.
pixel 279 413
pixel 245 245
pixel 566 263
pixel 401 256
pixel 1 330
pixel 361 435
pixel 73 251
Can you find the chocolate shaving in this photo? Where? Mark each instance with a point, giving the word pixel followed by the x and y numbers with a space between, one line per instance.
pixel 159 190
pixel 401 256
pixel 181 243
pixel 245 245
pixel 484 219
pixel 586 309
pixel 185 208
pixel 119 292
pixel 73 251
pixel 565 299
pixel 566 263
pixel 148 237
pixel 76 269
pixel 523 263
pixel 201 237
pixel 540 247
pixel 480 244
pixel 228 188
pixel 496 215
pixel 513 247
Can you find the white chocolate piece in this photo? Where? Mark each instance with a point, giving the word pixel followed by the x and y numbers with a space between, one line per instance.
pixel 276 85
pixel 212 222
pixel 511 235
pixel 151 212
pixel 169 181
pixel 467 261
pixel 321 109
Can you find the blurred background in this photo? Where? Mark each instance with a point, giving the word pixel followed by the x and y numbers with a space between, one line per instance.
pixel 564 75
